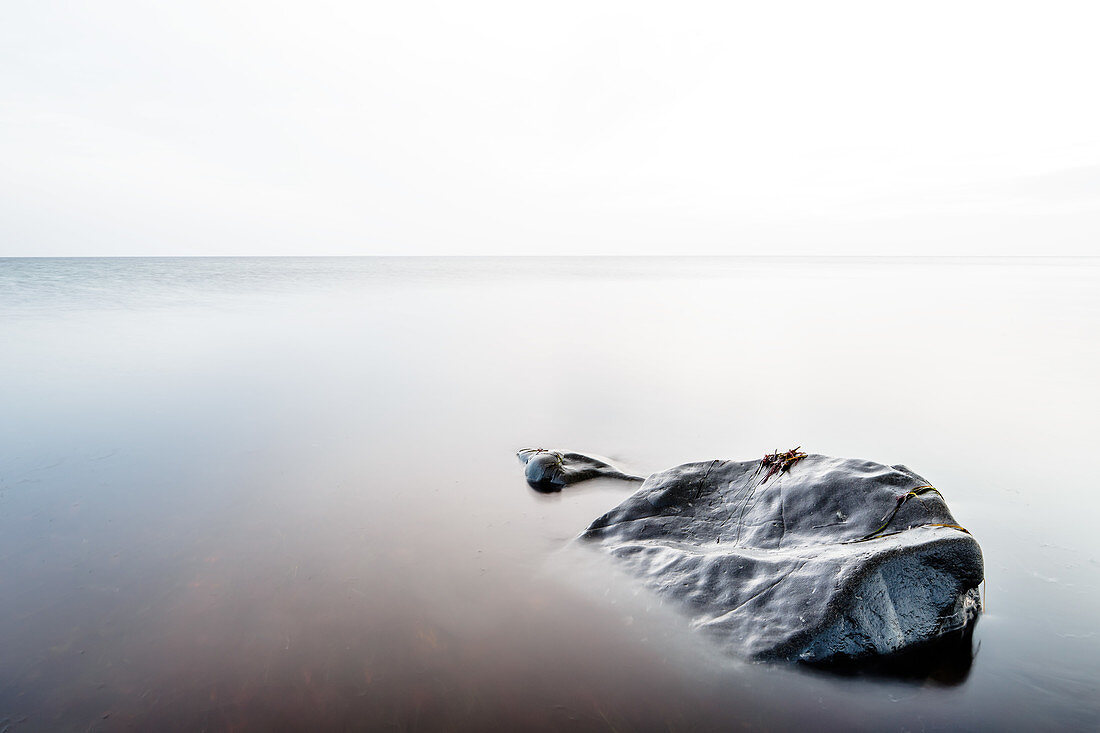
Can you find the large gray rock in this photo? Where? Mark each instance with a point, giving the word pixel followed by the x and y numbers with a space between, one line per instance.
pixel 797 557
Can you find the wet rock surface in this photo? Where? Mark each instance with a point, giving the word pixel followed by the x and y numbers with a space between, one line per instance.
pixel 798 557
pixel 549 471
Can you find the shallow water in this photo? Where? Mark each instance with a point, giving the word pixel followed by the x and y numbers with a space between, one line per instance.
pixel 259 494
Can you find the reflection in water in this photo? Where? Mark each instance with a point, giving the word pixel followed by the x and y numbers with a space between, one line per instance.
pixel 282 493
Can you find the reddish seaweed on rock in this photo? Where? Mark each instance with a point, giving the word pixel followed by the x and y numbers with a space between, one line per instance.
pixel 780 462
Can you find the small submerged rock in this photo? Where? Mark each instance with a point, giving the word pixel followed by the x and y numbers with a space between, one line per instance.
pixel 550 471
pixel 798 557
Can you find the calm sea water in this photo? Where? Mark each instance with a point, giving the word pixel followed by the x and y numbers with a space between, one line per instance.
pixel 263 494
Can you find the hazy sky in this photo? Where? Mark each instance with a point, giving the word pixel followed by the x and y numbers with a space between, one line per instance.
pixel 552 128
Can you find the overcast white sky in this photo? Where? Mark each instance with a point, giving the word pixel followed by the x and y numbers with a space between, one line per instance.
pixel 555 128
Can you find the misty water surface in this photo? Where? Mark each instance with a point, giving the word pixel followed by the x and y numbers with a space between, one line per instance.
pixel 259 494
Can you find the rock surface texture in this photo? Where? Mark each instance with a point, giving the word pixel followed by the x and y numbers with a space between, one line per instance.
pixel 799 557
